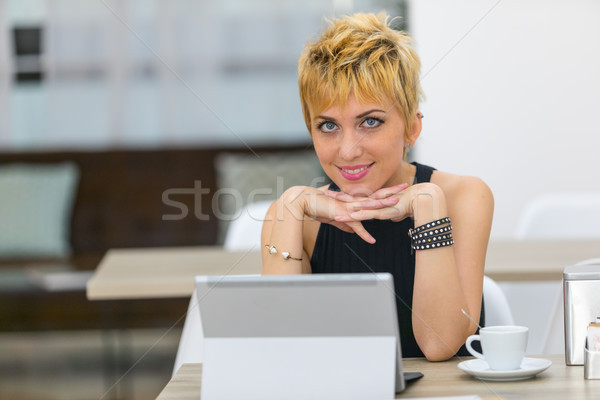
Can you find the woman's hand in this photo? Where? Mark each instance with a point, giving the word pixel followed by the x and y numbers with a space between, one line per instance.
pixel 314 204
pixel 393 203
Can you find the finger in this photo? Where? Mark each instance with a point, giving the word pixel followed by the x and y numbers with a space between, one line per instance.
pixel 339 225
pixel 360 230
pixel 389 191
pixel 373 204
pixel 342 226
pixel 362 215
pixel 382 213
pixel 345 197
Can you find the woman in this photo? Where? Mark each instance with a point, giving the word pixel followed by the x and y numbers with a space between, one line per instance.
pixel 360 92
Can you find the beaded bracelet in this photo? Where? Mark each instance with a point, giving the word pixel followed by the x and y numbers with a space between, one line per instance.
pixel 433 239
pixel 428 226
pixel 433 245
pixel 432 235
pixel 431 232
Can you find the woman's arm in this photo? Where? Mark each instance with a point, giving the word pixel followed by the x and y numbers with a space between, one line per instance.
pixel 283 228
pixel 447 279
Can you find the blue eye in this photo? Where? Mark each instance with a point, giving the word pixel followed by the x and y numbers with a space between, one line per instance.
pixel 372 122
pixel 327 126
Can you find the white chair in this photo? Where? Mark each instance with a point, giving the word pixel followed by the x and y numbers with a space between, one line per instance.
pixel 551 216
pixel 497 310
pixel 244 231
pixel 243 234
pixel 561 216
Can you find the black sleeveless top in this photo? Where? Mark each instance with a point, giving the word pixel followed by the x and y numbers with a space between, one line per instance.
pixel 337 251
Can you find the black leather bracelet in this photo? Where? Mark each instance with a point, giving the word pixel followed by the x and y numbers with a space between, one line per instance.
pixel 433 245
pixel 432 235
pixel 433 239
pixel 428 226
pixel 431 232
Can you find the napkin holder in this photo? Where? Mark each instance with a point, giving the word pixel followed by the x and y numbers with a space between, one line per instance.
pixel 591 363
pixel 581 285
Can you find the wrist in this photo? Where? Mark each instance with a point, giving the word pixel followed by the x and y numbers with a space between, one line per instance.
pixel 428 203
pixel 293 201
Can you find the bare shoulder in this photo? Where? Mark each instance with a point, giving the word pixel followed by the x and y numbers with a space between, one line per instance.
pixel 468 198
pixel 460 187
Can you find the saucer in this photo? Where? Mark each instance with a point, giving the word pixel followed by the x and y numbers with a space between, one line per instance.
pixel 529 368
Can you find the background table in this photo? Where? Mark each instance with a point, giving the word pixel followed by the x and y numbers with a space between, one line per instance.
pixel 165 272
pixel 444 379
pixel 169 272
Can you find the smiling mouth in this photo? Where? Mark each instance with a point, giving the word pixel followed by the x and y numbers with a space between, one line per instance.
pixel 355 170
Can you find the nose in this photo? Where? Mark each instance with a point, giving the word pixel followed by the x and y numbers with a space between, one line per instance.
pixel 350 146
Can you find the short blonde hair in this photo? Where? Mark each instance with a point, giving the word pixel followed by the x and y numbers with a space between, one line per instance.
pixel 361 55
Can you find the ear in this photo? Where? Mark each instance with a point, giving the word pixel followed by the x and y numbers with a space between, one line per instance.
pixel 417 124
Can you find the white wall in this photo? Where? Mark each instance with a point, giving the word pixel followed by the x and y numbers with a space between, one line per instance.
pixel 513 91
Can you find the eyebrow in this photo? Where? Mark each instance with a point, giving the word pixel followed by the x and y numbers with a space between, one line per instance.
pixel 357 117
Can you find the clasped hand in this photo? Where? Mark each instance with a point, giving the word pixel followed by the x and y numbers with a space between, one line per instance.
pixel 346 211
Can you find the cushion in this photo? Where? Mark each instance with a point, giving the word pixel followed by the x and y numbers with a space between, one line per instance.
pixel 36 202
pixel 246 178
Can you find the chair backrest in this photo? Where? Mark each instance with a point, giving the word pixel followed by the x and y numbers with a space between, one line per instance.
pixel 561 216
pixel 244 231
pixel 497 310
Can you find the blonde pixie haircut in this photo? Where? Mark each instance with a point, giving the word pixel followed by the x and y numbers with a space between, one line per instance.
pixel 361 55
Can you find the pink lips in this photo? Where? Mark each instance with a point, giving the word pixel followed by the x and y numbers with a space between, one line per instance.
pixel 354 176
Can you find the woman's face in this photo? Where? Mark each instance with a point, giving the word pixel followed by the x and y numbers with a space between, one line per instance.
pixel 361 145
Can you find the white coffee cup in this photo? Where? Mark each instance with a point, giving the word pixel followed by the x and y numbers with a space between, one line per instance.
pixel 503 346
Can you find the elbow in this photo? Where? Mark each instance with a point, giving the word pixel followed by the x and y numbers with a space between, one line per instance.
pixel 438 352
pixel 438 348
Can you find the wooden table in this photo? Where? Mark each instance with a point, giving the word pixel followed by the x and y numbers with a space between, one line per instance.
pixel 511 260
pixel 169 272
pixel 444 379
pixel 164 272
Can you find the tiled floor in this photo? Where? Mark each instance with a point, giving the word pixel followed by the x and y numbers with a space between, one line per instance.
pixel 90 365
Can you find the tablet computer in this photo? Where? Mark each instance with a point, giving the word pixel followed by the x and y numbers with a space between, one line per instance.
pixel 300 336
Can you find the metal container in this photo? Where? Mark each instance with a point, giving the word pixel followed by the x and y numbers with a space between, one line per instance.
pixel 581 285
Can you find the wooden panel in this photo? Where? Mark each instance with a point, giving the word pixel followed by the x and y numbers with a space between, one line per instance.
pixel 38 310
pixel 119 201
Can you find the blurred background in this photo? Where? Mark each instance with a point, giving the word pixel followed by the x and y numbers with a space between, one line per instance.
pixel 511 85
pixel 512 88
pixel 140 73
